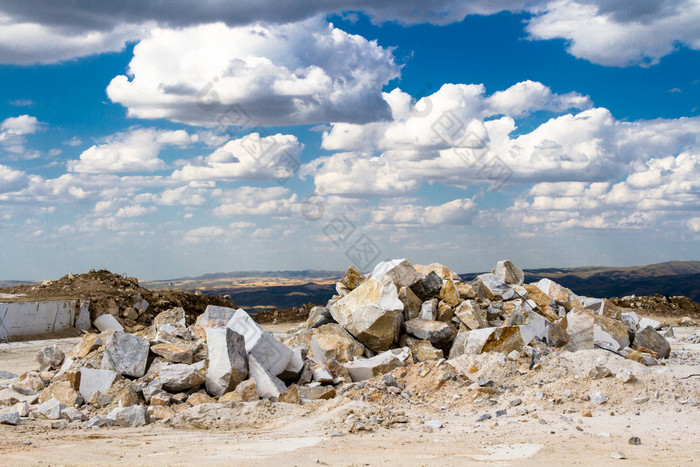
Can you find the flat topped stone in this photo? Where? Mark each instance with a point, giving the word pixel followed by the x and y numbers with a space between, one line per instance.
pixel 107 322
pixel 216 316
pixel 433 331
pixel 92 381
pixel 367 368
pixel 180 377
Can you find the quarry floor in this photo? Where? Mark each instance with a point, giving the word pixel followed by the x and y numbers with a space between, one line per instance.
pixel 669 432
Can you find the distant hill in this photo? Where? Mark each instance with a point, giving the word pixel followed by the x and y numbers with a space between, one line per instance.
pixel 305 274
pixel 286 289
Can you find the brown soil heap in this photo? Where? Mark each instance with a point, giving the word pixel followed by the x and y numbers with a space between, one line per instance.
pixel 116 295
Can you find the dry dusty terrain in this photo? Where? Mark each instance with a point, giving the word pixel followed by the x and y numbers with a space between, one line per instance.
pixel 374 427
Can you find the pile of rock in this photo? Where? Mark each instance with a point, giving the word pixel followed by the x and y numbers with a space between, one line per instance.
pixel 398 315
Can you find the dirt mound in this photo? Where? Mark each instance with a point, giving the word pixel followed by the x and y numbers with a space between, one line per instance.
pixel 117 295
pixel 286 315
pixel 661 306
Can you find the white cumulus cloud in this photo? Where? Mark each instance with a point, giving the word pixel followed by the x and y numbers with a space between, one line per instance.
pixel 288 74
pixel 135 150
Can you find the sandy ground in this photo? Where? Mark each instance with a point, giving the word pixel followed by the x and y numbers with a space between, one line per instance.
pixel 669 430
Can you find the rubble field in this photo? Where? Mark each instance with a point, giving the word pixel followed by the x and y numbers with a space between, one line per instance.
pixel 407 365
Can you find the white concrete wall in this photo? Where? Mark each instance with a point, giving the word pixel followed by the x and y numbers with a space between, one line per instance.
pixel 37 318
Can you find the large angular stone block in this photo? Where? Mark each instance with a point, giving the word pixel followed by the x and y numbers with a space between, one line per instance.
pixel 428 286
pixel 649 339
pixel 216 316
pixel 126 354
pixel 433 331
pixel 228 365
pixel 267 349
pixel 367 368
pixel 580 328
pixel 400 271
pixel 509 273
pixel 332 342
pixel 180 377
pixel 470 313
pixel 268 385
pixel 372 313
pixel 92 381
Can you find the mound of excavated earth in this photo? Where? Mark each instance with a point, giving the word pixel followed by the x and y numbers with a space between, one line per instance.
pixel 133 306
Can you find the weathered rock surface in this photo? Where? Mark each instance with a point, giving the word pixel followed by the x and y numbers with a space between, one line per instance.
pixel 372 313
pixel 126 354
pixel 470 313
pixel 332 342
pixel 267 384
pixel 50 409
pixel 509 273
pixel 366 368
pixel 50 357
pixel 267 349
pixel 428 286
pixel 180 377
pixel 174 317
pixel 649 339
pixel 228 365
pixel 93 381
pixel 174 353
pixel 433 331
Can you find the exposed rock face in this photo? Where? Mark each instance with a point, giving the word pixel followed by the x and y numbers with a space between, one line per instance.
pixel 63 392
pixel 352 278
pixel 411 303
pixel 360 370
pixel 174 317
pixel 509 273
pixel 216 316
pixel 442 271
pixel 470 313
pixel 267 385
pixel 580 331
pixel 427 287
pixel 649 339
pixel 228 365
pixel 93 381
pixel 449 294
pixel 50 357
pixel 372 313
pixel 174 353
pixel 126 354
pixel 180 377
pixel 400 271
pixel 422 350
pixel 318 316
pixel 609 333
pixel 332 342
pixel 267 349
pixel 433 331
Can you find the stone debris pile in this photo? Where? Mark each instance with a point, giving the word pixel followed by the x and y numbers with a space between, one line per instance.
pixel 398 315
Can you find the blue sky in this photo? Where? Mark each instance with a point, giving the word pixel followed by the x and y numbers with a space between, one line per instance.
pixel 164 143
